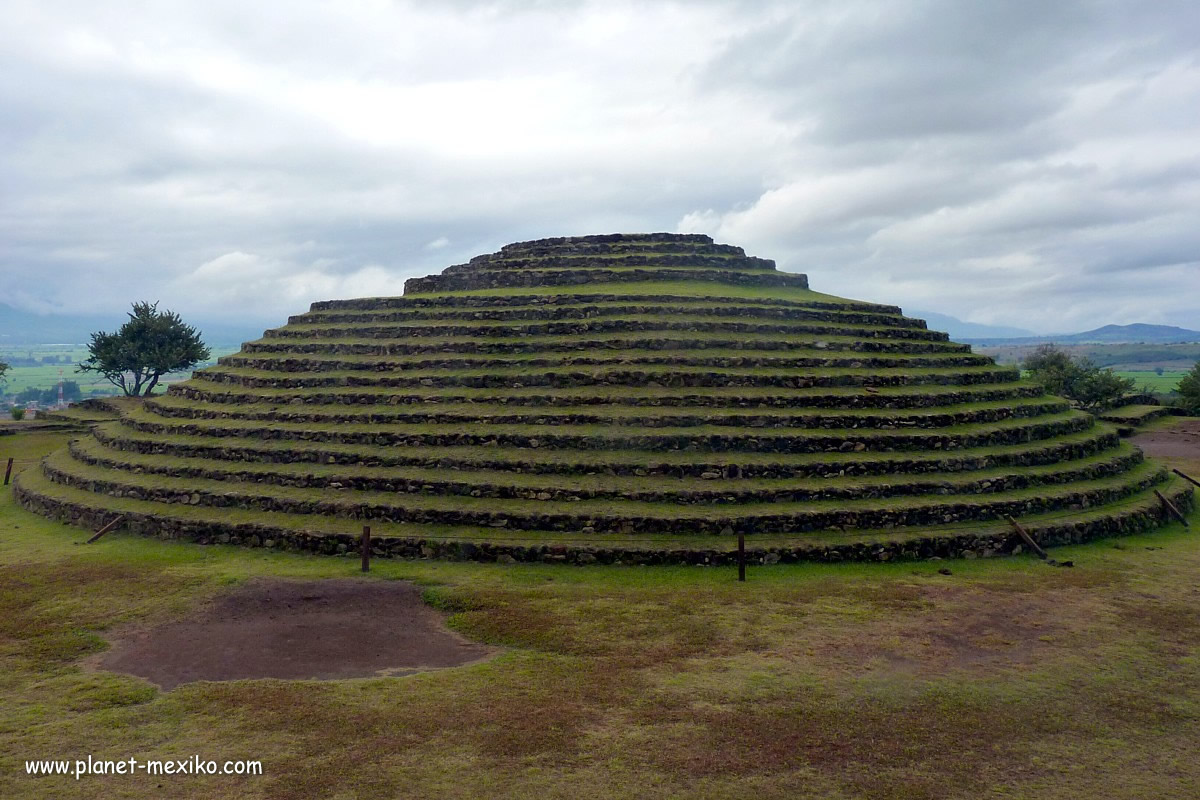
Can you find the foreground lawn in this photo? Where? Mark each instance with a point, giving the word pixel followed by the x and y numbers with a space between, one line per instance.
pixel 1006 678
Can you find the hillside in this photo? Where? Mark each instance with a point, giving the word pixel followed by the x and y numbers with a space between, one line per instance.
pixel 1107 334
pixel 961 331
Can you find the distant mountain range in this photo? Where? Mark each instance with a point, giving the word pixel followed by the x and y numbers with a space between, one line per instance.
pixel 19 327
pixel 975 333
pixel 1137 332
pixel 1109 334
pixel 962 331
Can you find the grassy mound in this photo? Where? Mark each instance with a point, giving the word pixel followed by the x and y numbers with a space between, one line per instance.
pixel 634 399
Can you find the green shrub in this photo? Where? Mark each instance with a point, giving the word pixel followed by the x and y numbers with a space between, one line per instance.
pixel 1189 390
pixel 18 412
pixel 1078 380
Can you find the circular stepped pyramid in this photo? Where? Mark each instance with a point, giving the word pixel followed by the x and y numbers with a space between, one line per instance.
pixel 623 398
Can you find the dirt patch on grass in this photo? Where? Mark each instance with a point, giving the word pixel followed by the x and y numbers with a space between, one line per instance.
pixel 269 628
pixel 991 631
pixel 942 630
pixel 1178 441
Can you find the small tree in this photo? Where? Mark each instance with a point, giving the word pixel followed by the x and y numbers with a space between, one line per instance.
pixel 1052 368
pixel 1189 390
pixel 145 348
pixel 1097 388
pixel 3 369
pixel 1079 380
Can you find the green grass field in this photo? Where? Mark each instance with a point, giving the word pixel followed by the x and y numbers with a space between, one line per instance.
pixel 1148 380
pixel 19 378
pixel 1007 678
pixel 1158 384
pixel 1119 356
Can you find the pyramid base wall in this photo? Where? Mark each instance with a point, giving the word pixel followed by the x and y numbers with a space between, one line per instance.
pixel 1120 523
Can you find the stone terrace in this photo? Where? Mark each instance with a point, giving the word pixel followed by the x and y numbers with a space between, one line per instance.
pixel 621 398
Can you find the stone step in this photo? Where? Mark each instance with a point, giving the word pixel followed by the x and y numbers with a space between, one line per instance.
pixel 605 516
pixel 811 360
pixel 76 416
pixel 675 376
pixel 674 322
pixel 569 243
pixel 535 249
pixel 545 488
pixel 628 437
pixel 1134 415
pixel 811 300
pixel 565 344
pixel 332 536
pixel 645 259
pixel 677 464
pixel 607 310
pixel 888 397
pixel 495 279
pixel 496 414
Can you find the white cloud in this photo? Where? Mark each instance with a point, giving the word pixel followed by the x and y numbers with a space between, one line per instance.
pixel 238 284
pixel 1024 162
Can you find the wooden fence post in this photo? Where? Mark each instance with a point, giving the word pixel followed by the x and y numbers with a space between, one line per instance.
pixel 1171 508
pixel 8 471
pixel 1029 540
pixel 741 556
pixel 1187 478
pixel 120 518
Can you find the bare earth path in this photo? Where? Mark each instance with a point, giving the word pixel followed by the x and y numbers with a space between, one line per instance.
pixel 1178 441
pixel 272 628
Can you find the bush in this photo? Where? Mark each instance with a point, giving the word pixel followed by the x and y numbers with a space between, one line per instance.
pixel 1189 390
pixel 18 412
pixel 1079 380
pixel 1052 368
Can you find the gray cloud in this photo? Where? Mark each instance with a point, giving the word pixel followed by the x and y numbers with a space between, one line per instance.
pixel 1026 163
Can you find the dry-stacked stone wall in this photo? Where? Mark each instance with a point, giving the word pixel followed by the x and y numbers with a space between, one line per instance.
pixel 631 259
pixel 541 421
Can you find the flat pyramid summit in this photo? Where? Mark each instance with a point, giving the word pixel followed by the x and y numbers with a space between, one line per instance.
pixel 632 398
pixel 611 258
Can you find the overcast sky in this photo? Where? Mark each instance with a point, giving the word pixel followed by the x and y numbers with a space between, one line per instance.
pixel 1022 163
